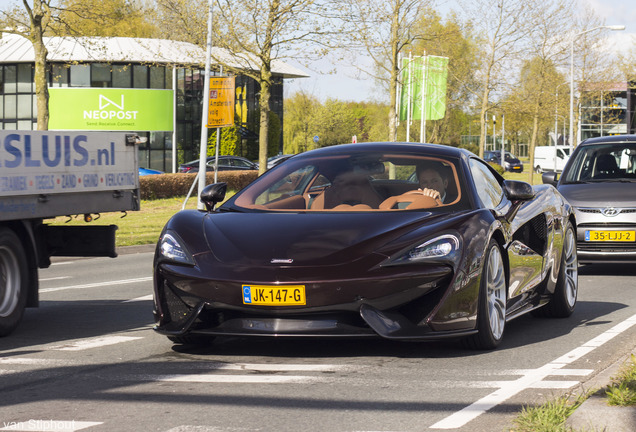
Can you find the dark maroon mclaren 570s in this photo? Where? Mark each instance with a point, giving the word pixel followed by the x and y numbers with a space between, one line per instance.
pixel 401 241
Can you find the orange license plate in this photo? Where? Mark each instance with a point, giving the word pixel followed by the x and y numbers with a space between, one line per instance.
pixel 270 295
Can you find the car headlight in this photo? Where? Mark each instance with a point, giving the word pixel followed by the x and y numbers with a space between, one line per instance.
pixel 444 247
pixel 172 248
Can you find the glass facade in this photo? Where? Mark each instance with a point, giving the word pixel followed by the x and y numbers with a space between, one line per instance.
pixel 606 111
pixel 18 108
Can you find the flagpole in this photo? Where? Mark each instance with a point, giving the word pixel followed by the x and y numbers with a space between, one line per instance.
pixel 409 99
pixel 424 98
pixel 398 99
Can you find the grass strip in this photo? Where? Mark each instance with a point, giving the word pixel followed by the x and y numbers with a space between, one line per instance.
pixel 622 390
pixel 550 416
pixel 137 227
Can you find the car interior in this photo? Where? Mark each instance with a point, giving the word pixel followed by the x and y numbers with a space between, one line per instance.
pixel 365 185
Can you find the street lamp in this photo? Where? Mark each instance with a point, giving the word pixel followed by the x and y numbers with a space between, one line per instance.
pixel 556 110
pixel 610 27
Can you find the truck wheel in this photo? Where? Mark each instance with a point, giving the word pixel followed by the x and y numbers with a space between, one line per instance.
pixel 538 169
pixel 13 281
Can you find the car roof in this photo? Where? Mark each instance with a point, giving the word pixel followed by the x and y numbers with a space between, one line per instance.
pixel 609 139
pixel 401 147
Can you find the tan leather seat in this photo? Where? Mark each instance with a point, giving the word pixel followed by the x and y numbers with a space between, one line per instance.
pixel 348 188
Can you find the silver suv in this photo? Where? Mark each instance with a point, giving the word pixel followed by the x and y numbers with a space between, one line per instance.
pixel 599 181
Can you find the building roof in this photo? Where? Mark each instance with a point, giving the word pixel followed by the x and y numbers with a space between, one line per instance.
pixel 17 49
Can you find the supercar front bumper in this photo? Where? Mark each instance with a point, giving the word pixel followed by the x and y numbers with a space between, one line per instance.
pixel 401 314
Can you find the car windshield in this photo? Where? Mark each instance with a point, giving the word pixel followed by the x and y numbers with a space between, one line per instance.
pixel 614 162
pixel 354 182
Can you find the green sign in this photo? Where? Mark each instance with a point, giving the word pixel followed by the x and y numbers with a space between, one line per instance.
pixel 110 109
pixel 428 75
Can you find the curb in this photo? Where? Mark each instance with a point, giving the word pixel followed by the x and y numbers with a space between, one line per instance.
pixel 595 414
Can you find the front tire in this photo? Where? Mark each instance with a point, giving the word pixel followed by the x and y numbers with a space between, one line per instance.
pixel 538 169
pixel 491 311
pixel 13 281
pixel 566 290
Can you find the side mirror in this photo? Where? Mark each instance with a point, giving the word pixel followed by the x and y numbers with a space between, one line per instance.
pixel 517 190
pixel 550 177
pixel 213 194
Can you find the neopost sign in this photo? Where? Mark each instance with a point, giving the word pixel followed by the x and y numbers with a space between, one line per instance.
pixel 110 109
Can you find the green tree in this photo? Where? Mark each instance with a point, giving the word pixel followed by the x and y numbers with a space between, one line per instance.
pixel 500 26
pixel 124 18
pixel 230 141
pixel 183 20
pixel 299 111
pixel 274 130
pixel 370 119
pixel 335 123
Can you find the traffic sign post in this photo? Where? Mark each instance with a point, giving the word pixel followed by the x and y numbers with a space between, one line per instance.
pixel 221 106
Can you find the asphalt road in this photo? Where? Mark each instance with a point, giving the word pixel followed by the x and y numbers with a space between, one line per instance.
pixel 88 359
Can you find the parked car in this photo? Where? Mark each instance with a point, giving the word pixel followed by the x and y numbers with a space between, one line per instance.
pixel 599 181
pixel 226 163
pixel 511 162
pixel 275 160
pixel 329 244
pixel 148 171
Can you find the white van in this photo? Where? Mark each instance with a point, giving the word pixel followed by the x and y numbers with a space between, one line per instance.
pixel 551 158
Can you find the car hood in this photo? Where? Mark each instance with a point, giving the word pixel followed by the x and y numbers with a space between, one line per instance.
pixel 600 194
pixel 306 238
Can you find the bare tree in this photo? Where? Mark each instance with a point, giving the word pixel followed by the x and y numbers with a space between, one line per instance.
pixel 32 22
pixel 594 66
pixel 36 18
pixel 501 27
pixel 547 45
pixel 383 29
pixel 182 20
pixel 259 33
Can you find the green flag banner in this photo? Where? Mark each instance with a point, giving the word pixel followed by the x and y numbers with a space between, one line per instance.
pixel 423 88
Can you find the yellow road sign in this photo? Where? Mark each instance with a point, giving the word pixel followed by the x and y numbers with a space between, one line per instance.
pixel 221 107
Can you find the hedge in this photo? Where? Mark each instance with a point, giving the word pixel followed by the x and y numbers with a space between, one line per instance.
pixel 159 186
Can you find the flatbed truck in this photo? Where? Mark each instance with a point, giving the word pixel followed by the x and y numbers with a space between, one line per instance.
pixel 46 174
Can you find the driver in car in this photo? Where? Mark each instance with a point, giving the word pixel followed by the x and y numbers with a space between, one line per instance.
pixel 433 180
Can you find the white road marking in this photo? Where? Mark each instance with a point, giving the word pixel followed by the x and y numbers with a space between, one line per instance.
pixel 47 425
pixel 238 379
pixel 560 372
pixel 144 298
pixel 31 361
pixel 267 367
pixel 98 284
pixel 54 278
pixel 531 379
pixel 83 344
